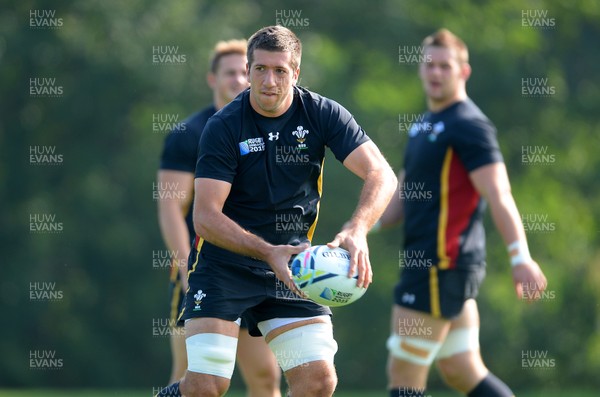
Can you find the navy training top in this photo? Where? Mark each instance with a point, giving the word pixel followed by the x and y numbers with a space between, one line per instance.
pixel 274 165
pixel 180 151
pixel 442 209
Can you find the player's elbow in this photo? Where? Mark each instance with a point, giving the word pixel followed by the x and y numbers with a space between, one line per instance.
pixel 499 196
pixel 390 183
pixel 202 222
pixel 392 213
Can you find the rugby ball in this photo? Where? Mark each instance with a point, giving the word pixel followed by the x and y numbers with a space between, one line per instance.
pixel 322 273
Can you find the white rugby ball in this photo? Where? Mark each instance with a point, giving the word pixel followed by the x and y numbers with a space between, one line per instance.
pixel 322 273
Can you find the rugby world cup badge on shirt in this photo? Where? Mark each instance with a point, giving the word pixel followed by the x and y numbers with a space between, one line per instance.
pixel 252 145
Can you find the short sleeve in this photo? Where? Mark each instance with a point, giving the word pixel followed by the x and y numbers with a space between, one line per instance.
pixel 218 153
pixel 179 151
pixel 343 134
pixel 477 144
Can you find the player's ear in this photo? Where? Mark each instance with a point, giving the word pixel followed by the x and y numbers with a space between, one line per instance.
pixel 465 71
pixel 211 80
pixel 296 75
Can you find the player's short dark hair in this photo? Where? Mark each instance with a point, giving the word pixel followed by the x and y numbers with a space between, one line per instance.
pixel 446 39
pixel 277 39
pixel 224 48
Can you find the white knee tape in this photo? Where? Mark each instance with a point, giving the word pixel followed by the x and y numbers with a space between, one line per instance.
pixel 414 350
pixel 212 354
pixel 301 345
pixel 459 340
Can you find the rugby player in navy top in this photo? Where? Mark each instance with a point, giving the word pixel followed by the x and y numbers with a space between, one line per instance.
pixel 453 157
pixel 227 78
pixel 260 162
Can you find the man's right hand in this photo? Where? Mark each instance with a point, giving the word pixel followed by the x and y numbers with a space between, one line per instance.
pixel 279 257
pixel 529 281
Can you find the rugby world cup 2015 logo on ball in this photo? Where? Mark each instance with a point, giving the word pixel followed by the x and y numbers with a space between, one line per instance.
pixel 322 273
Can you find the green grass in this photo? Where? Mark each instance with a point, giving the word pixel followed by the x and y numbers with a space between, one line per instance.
pixel 148 393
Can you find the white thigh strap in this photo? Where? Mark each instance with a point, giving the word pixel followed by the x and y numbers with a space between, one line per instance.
pixel 459 340
pixel 212 354
pixel 414 350
pixel 269 325
pixel 301 345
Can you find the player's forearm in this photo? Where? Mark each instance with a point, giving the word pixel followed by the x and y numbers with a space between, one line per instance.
pixel 506 217
pixel 218 229
pixel 175 235
pixel 379 187
pixel 492 182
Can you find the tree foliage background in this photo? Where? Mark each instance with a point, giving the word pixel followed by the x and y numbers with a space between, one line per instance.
pixel 101 192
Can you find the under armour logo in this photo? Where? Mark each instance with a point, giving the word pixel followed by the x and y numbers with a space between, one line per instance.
pixel 301 208
pixel 273 137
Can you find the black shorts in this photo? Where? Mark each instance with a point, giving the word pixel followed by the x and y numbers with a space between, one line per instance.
pixel 176 299
pixel 440 293
pixel 226 291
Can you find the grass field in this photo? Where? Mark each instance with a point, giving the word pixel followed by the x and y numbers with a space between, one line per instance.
pixel 148 393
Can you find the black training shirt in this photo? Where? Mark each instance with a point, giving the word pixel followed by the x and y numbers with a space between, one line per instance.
pixel 274 165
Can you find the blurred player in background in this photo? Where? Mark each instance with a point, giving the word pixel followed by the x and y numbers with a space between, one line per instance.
pixel 244 185
pixel 453 156
pixel 227 78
